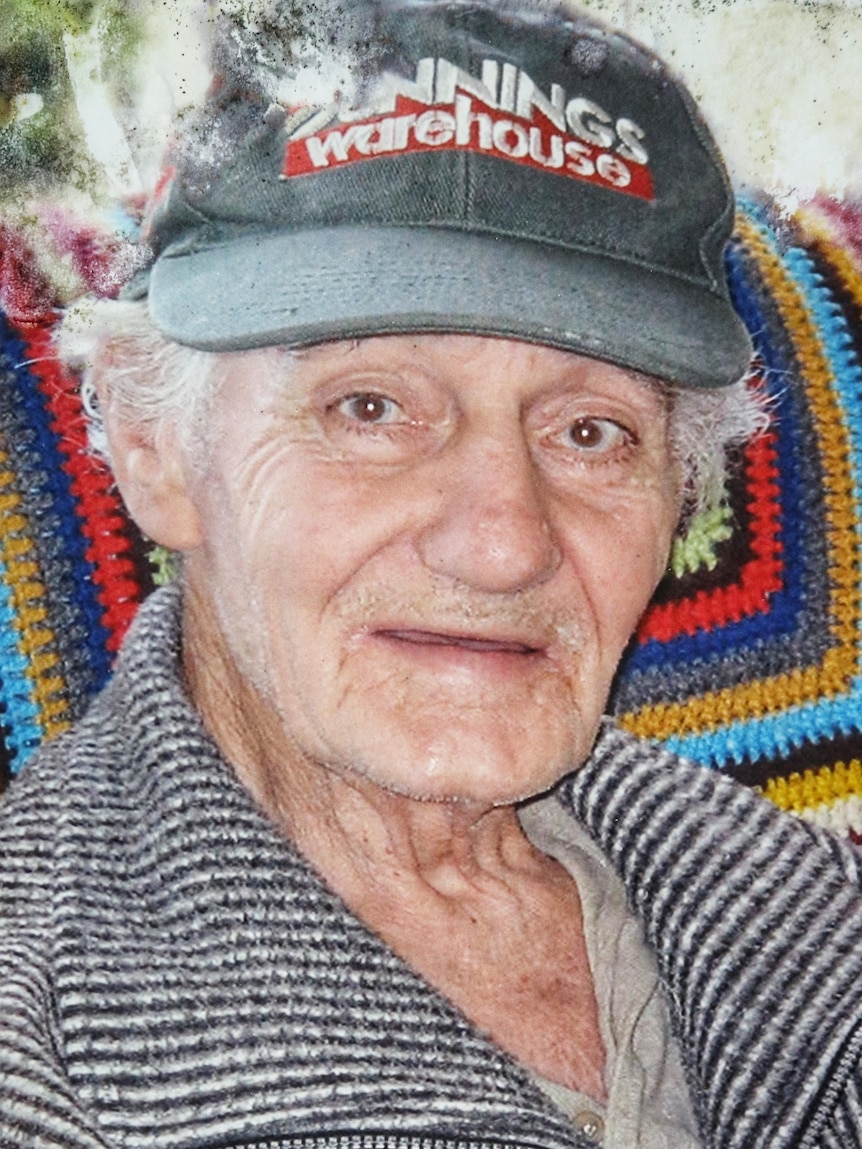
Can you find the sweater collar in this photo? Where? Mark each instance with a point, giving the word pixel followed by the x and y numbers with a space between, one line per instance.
pixel 225 903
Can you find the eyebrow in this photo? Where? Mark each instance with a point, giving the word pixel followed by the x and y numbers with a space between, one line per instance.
pixel 664 391
pixel 312 350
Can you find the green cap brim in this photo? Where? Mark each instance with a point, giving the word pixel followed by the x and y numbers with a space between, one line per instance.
pixel 300 288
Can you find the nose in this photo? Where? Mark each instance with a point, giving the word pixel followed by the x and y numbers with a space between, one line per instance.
pixel 492 530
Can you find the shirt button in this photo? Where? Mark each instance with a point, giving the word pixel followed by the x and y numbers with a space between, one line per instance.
pixel 590 1124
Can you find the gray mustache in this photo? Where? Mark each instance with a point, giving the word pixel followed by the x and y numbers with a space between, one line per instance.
pixel 444 610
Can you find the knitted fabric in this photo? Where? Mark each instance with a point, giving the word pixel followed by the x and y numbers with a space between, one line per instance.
pixel 174 975
pixel 224 996
pixel 72 570
pixel 749 659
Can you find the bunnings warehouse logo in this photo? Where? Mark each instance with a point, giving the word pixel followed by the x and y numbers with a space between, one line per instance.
pixel 503 114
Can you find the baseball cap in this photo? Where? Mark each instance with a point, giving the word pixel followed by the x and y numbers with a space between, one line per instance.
pixel 454 166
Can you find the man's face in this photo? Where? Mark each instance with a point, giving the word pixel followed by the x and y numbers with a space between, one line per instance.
pixel 423 555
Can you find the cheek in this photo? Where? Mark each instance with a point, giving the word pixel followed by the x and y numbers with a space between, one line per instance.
pixel 620 553
pixel 285 534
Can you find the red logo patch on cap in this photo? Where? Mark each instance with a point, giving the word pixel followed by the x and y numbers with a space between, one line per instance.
pixel 597 151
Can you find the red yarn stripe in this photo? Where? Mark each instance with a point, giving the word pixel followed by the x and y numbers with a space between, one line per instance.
pixel 103 520
pixel 758 578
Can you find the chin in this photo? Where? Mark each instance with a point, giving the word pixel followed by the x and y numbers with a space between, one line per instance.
pixel 469 770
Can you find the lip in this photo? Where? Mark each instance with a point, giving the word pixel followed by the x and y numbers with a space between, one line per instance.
pixel 469 642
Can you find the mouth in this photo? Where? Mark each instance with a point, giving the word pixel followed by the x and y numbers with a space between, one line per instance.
pixel 460 641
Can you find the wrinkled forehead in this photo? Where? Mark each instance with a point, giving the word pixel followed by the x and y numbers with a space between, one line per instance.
pixel 496 367
pixel 455 348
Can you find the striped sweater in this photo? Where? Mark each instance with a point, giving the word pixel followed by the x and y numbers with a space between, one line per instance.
pixel 173 974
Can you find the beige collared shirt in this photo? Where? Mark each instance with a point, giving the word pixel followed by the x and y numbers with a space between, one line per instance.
pixel 648 1104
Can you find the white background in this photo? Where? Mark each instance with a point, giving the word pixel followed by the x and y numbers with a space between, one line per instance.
pixel 780 81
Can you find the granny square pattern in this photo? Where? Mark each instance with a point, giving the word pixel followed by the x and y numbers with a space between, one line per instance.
pixel 749 659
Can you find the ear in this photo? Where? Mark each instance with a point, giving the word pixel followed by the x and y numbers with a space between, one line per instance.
pixel 151 473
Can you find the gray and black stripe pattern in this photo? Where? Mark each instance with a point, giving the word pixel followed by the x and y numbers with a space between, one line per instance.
pixel 756 922
pixel 173 974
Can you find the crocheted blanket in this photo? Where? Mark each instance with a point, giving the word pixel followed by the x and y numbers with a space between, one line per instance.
pixel 748 661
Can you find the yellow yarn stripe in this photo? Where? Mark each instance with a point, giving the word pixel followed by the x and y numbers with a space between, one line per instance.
pixel 842 263
pixel 840 663
pixel 816 787
pixel 27 594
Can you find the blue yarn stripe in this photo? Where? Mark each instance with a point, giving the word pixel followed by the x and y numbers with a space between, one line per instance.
pixel 21 714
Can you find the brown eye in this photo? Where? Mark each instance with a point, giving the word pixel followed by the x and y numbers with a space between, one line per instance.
pixel 369 407
pixel 597 435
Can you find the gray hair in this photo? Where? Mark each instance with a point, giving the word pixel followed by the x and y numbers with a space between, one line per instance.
pixel 157 381
pixel 151 379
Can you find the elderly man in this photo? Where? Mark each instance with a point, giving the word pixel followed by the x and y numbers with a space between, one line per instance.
pixel 426 368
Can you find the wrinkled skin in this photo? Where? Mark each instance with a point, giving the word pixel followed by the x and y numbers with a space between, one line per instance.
pixel 419 559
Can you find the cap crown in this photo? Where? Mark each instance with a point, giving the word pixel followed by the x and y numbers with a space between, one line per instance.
pixel 548 136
